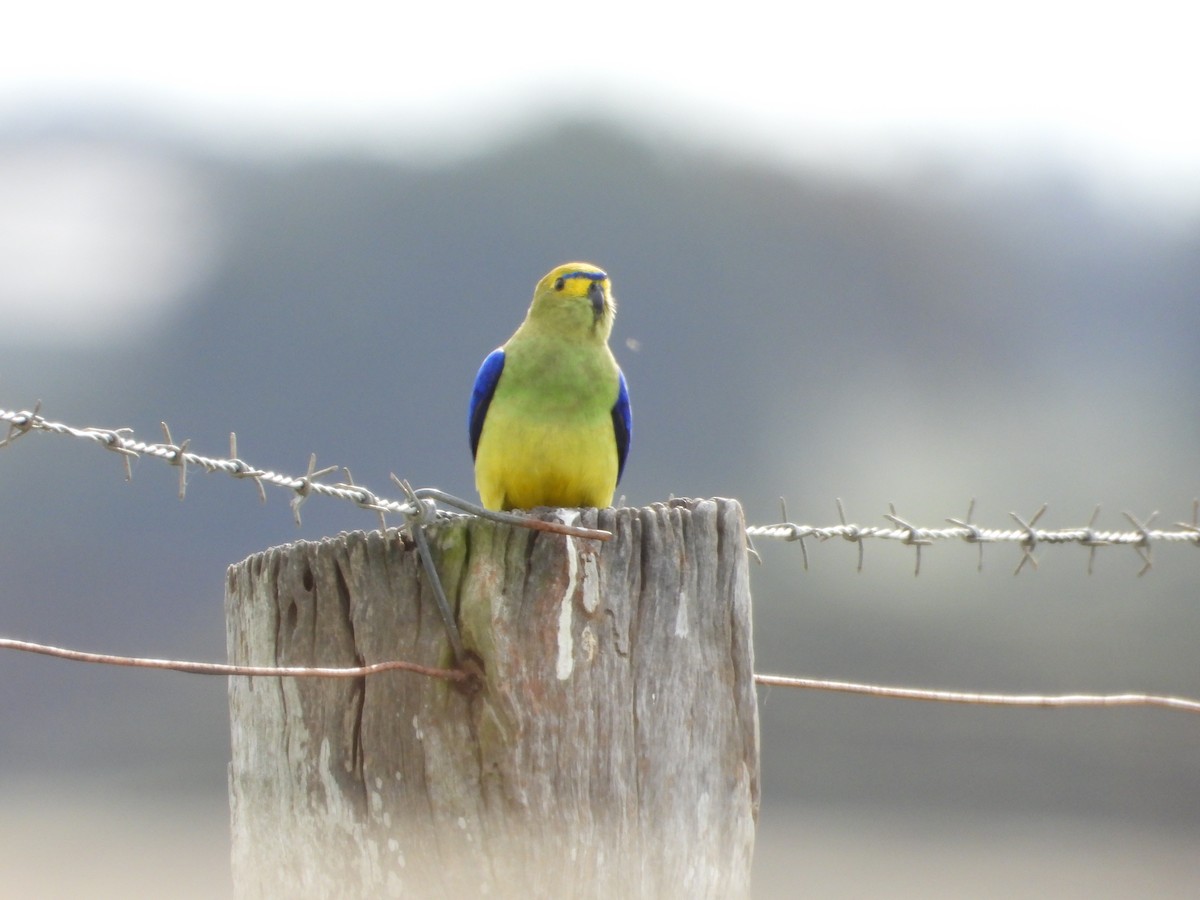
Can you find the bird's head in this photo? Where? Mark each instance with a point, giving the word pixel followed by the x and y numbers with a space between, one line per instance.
pixel 575 298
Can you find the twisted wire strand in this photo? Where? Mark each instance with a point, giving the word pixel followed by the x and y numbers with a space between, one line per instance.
pixel 790 531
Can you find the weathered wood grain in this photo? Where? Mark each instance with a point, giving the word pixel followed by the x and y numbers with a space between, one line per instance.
pixel 610 750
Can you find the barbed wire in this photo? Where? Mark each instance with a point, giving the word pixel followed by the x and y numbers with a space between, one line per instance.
pixel 420 504
pixel 1179 704
pixel 1027 536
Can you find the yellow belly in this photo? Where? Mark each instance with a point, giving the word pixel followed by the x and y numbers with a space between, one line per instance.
pixel 519 465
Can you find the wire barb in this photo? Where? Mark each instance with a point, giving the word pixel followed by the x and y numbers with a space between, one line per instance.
pixel 367 500
pixel 240 469
pixel 1031 538
pixel 1143 546
pixel 1090 540
pixel 850 532
pixel 914 537
pixel 178 457
pixel 21 424
pixel 304 486
pixel 972 535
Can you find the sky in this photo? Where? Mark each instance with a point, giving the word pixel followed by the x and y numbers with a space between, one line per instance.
pixel 1106 87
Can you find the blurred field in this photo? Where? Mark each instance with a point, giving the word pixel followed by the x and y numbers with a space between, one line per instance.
pixel 861 853
pixel 99 843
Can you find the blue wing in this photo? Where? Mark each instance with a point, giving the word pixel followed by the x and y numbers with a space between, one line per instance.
pixel 622 417
pixel 481 395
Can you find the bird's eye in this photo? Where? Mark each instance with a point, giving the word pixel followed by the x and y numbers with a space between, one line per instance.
pixel 559 284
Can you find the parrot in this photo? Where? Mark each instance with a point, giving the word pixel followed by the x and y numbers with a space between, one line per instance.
pixel 549 419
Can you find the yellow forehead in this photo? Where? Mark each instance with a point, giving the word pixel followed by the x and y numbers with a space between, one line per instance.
pixel 576 277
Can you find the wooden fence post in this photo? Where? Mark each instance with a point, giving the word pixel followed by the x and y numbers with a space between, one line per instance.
pixel 611 749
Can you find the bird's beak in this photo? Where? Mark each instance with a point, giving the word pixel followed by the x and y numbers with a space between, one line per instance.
pixel 596 295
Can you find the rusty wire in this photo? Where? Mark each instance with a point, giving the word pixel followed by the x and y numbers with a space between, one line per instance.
pixel 1059 701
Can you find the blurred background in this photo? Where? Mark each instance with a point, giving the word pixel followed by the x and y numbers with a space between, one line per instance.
pixel 915 254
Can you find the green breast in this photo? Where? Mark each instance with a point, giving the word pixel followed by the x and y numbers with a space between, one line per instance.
pixel 548 379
